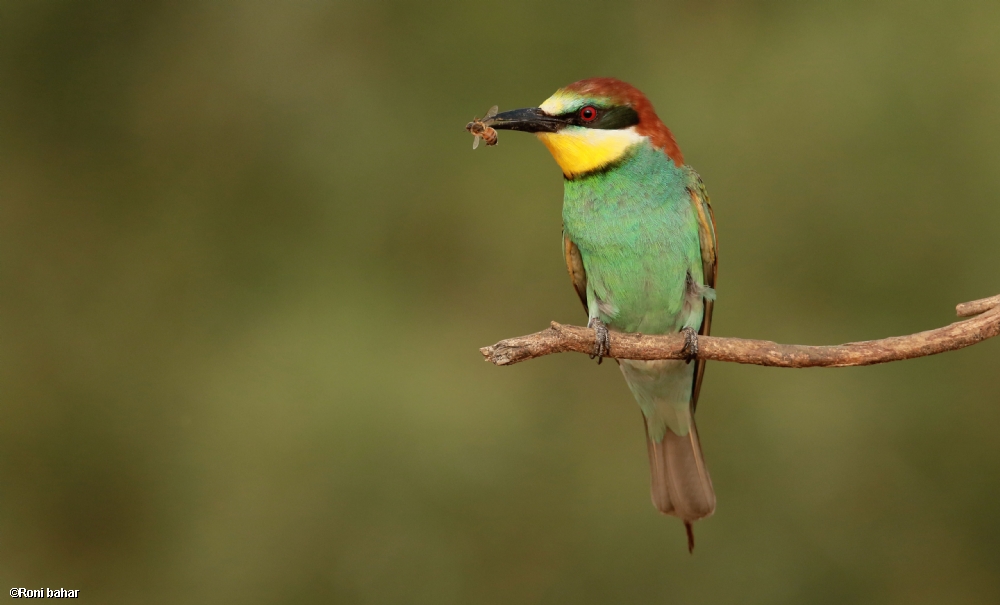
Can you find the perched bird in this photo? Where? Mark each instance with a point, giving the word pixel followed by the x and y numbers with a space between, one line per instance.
pixel 639 241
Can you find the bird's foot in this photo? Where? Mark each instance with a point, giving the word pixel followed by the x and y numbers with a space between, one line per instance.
pixel 690 349
pixel 602 345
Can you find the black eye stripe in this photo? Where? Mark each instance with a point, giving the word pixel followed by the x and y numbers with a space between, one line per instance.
pixel 608 118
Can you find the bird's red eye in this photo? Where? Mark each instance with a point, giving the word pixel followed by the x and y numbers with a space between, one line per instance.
pixel 588 114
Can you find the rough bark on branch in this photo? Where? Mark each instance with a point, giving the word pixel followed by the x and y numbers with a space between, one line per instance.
pixel 984 323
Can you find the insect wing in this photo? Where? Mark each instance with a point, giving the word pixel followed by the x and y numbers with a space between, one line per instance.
pixel 475 143
pixel 492 112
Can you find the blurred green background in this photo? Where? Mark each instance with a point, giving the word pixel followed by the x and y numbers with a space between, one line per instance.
pixel 247 257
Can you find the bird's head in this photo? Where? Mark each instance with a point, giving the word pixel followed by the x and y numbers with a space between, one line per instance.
pixel 591 124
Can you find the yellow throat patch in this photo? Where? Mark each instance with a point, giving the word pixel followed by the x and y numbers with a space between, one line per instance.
pixel 578 150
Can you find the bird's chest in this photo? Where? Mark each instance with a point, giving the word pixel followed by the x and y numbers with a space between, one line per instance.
pixel 638 242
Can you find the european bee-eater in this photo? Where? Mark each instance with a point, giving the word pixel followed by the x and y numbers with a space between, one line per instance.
pixel 639 241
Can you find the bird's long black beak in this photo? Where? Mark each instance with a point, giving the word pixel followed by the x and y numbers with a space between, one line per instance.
pixel 531 119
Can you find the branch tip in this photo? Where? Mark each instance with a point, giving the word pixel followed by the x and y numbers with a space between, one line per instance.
pixel 976 307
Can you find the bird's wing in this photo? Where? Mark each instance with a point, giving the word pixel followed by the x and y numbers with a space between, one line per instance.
pixel 574 264
pixel 709 265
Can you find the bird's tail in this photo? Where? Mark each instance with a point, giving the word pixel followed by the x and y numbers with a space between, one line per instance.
pixel 680 484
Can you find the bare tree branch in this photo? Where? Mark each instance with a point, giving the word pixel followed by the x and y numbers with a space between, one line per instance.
pixel 559 338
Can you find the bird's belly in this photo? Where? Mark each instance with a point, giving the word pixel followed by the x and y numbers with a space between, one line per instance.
pixel 641 291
